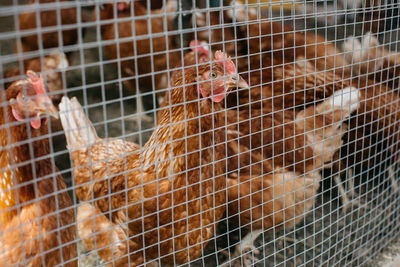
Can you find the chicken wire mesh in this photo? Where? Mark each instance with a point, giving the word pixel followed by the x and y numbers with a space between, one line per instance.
pixel 281 150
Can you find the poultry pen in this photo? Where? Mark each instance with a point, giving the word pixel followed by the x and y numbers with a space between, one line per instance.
pixel 199 133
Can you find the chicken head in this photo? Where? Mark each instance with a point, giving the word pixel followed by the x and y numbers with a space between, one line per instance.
pixel 217 82
pixel 31 101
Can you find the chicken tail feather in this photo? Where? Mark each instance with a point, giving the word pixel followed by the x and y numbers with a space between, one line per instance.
pixel 365 56
pixel 324 123
pixel 335 109
pixel 346 100
pixel 79 131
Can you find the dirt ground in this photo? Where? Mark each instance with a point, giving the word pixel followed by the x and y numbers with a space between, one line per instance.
pixel 326 237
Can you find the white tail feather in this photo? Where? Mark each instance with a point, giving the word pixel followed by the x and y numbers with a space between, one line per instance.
pixel 365 55
pixel 347 99
pixel 79 131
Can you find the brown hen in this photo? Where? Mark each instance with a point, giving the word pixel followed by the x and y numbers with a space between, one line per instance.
pixel 275 164
pixel 293 69
pixel 165 197
pixel 36 214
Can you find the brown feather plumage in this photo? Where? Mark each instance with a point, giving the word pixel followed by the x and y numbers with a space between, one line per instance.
pixel 36 219
pixel 292 69
pixel 170 192
pixel 295 144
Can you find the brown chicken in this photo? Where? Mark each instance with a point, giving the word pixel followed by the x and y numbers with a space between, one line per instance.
pixel 138 53
pixel 298 69
pixel 115 147
pixel 165 197
pixel 48 19
pixel 275 164
pixel 36 214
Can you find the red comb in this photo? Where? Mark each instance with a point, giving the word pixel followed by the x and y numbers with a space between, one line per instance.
pixel 222 58
pixel 36 81
pixel 200 47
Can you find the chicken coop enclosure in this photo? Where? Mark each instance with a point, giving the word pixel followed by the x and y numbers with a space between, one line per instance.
pixel 199 133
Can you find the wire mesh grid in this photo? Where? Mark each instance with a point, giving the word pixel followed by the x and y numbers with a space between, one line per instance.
pixel 280 150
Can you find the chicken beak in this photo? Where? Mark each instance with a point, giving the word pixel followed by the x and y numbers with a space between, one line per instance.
pixel 52 111
pixel 241 83
pixel 237 81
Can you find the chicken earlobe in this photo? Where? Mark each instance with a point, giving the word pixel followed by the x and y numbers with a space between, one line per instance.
pixel 16 115
pixel 36 122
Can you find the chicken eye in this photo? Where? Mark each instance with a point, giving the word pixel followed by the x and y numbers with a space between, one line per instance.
pixel 213 75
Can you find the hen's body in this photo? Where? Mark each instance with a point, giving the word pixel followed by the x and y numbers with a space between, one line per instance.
pixel 294 69
pixel 167 195
pixel 296 144
pixel 277 157
pixel 36 214
pixel 147 187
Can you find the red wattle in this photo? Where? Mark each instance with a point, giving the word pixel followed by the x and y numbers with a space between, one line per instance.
pixel 35 123
pixel 218 98
pixel 218 95
pixel 202 92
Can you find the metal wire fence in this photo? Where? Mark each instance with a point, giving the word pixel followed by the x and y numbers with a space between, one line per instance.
pixel 199 133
